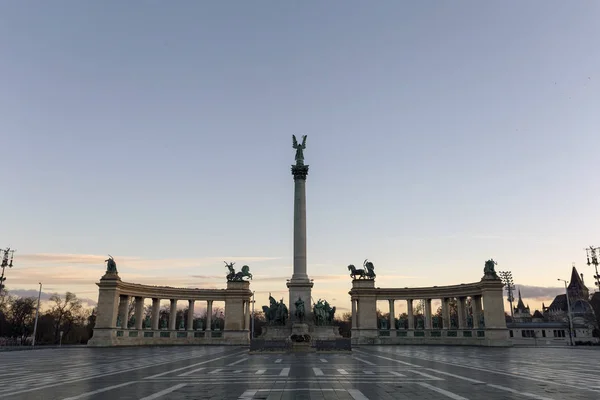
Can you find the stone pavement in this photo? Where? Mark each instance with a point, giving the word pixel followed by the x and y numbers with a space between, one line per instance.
pixel 383 372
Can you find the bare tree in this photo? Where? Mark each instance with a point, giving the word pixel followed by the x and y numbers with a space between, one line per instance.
pixel 65 312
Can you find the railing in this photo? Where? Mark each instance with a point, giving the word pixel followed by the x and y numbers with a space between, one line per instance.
pixel 431 333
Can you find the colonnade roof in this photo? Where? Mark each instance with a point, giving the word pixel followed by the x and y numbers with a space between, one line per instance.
pixel 235 290
pixel 417 293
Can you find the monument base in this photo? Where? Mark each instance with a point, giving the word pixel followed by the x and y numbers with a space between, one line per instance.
pixel 299 337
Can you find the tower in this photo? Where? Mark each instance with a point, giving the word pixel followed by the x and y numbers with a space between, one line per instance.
pixel 299 285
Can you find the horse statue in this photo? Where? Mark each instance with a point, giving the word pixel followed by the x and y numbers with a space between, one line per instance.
pixel 270 310
pixel 323 312
pixel 488 271
pixel 245 272
pixel 299 313
pixel 231 274
pixel 370 269
pixel 111 265
pixel 356 272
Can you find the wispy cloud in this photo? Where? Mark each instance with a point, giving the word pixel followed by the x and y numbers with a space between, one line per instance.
pixel 539 293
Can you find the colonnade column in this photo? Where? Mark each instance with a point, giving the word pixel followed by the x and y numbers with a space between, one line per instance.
pixel 155 313
pixel 209 306
pixel 173 314
pixel 476 303
pixel 460 308
pixel 392 315
pixel 428 319
pixel 445 313
pixel 411 318
pixel 190 316
pixel 123 310
pixel 354 314
pixel 139 312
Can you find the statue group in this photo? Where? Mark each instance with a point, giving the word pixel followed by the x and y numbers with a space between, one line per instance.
pixel 367 273
pixel 489 271
pixel 111 265
pixel 232 276
pixel 276 313
pixel 323 313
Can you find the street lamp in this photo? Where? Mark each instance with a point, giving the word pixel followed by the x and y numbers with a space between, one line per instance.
pixel 507 278
pixel 37 312
pixel 593 253
pixel 569 307
pixel 8 252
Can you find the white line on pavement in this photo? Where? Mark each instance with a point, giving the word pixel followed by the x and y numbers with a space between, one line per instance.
pixel 357 394
pixel 237 362
pixel 216 370
pixel 530 395
pixel 323 360
pixel 318 371
pixel 163 392
pixel 343 371
pixel 396 373
pixel 237 371
pixel 428 376
pixel 369 372
pixel 260 371
pixel 247 395
pixel 284 372
pixel 278 361
pixel 106 389
pixel 442 391
pixel 365 361
pixel 193 365
pixel 192 371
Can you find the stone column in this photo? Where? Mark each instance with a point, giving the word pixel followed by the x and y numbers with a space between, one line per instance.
pixel 247 315
pixel 428 316
pixel 445 313
pixel 209 308
pixel 106 311
pixel 460 308
pixel 139 312
pixel 354 314
pixel 173 314
pixel 392 315
pixel 476 304
pixel 190 316
pixel 411 318
pixel 300 285
pixel 154 318
pixel 124 310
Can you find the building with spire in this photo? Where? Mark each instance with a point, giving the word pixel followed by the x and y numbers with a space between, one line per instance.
pixel 521 313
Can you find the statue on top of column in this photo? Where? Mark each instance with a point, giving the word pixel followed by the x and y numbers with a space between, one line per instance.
pixel 299 149
pixel 488 271
pixel 111 265
pixel 232 276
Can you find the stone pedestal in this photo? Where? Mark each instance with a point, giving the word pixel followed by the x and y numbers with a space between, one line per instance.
pixel 300 289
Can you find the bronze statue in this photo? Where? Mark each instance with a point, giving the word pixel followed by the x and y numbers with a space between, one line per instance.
pixel 111 265
pixel 232 276
pixel 370 268
pixel 323 312
pixel 488 271
pixel 299 149
pixel 231 273
pixel 367 273
pixel 299 309
pixel 276 313
pixel 356 272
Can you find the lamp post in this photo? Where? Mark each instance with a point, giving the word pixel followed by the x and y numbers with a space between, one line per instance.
pixel 8 252
pixel 37 313
pixel 569 314
pixel 510 286
pixel 252 325
pixel 593 253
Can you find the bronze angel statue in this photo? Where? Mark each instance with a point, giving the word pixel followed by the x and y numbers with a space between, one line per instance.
pixel 299 149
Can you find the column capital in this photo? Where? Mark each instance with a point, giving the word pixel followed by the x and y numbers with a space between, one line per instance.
pixel 300 172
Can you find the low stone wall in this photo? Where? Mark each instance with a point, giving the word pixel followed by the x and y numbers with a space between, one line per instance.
pixel 163 337
pixel 465 337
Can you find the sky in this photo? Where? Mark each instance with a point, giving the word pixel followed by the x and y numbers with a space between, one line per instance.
pixel 440 135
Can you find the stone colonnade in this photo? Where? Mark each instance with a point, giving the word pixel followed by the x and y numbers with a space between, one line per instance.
pixel 488 326
pixel 113 303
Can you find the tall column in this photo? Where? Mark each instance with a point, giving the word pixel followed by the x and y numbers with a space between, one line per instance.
pixel 354 314
pixel 209 308
pixel 460 308
pixel 173 314
pixel 476 303
pixel 428 316
pixel 124 310
pixel 299 285
pixel 139 312
pixel 411 318
pixel 445 313
pixel 392 314
pixel 247 315
pixel 190 316
pixel 154 319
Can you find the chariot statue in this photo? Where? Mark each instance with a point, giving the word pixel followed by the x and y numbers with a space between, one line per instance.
pixel 232 276
pixel 368 272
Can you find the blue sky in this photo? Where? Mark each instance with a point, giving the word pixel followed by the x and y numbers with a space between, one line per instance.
pixel 439 135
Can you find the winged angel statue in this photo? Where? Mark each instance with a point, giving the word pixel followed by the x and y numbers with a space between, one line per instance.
pixel 299 149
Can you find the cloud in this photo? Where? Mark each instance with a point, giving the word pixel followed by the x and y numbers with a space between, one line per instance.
pixel 45 296
pixel 539 292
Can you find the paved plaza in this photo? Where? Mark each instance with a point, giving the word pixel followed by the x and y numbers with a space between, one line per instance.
pixel 384 372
